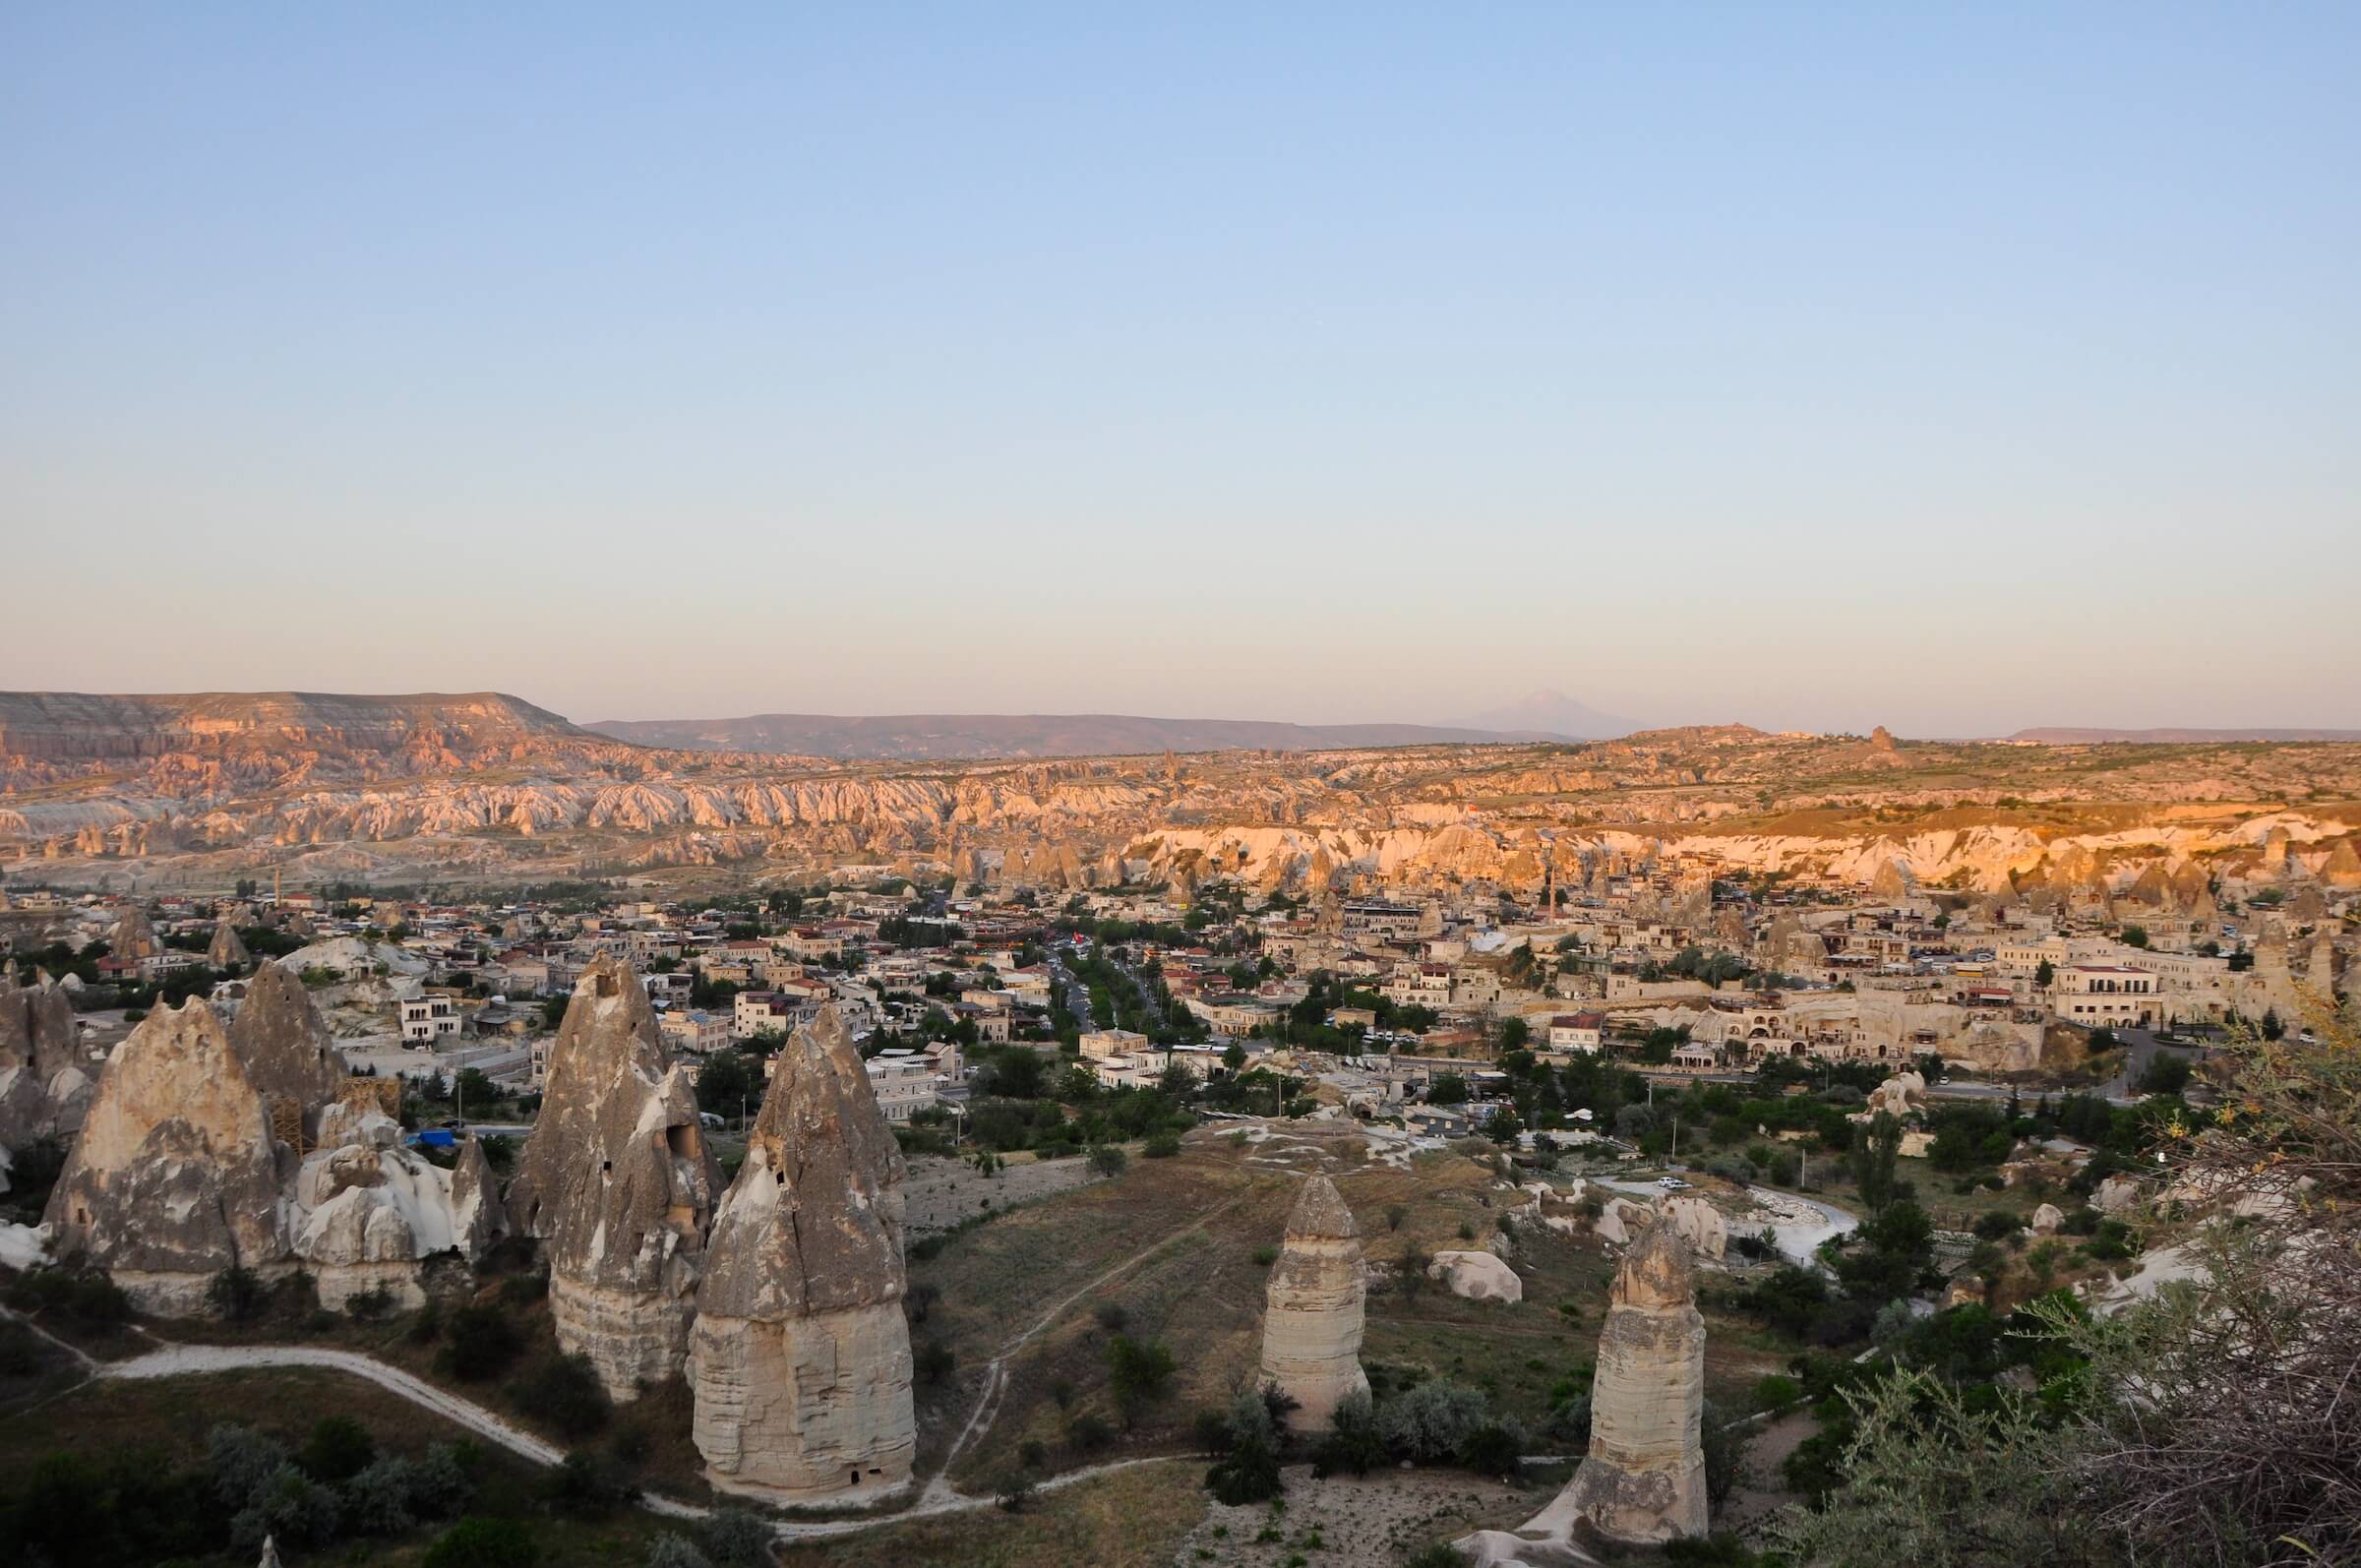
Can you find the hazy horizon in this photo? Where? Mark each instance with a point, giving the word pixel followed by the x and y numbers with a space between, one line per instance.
pixel 1815 371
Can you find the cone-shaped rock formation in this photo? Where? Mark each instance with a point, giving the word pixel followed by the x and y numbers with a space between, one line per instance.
pixel 800 1356
pixel 1643 1480
pixel 284 1042
pixel 176 1176
pixel 227 951
pixel 44 1085
pixel 1312 1317
pixel 618 1182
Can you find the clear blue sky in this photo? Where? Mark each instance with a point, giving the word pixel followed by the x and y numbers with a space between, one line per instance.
pixel 1951 369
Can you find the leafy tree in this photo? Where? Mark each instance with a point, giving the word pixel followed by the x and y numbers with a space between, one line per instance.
pixel 1248 1470
pixel 236 1294
pixel 1875 1150
pixel 339 1448
pixel 729 1081
pixel 477 1542
pixel 1138 1373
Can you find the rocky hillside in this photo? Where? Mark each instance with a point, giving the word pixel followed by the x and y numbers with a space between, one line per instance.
pixel 77 727
pixel 947 736
pixel 197 791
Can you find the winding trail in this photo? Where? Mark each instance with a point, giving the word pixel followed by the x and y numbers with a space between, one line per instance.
pixel 996 1373
pixel 939 1497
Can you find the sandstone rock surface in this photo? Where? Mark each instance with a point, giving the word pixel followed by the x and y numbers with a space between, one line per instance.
pixel 227 951
pixel 1314 1308
pixel 617 1183
pixel 1644 1478
pixel 175 1175
pixel 800 1358
pixel 44 1086
pixel 369 1212
pixel 1899 1095
pixel 2115 1194
pixel 1477 1275
pixel 284 1044
pixel 1697 1223
pixel 2046 1218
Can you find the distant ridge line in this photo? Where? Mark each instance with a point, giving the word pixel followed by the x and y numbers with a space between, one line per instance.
pixel 945 737
pixel 2069 735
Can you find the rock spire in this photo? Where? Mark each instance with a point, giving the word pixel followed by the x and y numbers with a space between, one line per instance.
pixel 1313 1319
pixel 1643 1480
pixel 227 951
pixel 176 1176
pixel 801 1355
pixel 284 1042
pixel 45 1083
pixel 617 1183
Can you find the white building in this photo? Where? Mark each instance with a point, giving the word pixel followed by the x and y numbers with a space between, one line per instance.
pixel 905 1081
pixel 427 1019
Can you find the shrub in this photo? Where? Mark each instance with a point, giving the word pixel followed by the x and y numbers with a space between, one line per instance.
pixel 1995 1225
pixel 523 1290
pixel 427 1326
pixel 1161 1146
pixel 736 1539
pixel 567 1390
pixel 1139 1372
pixel 485 1543
pixel 1012 1492
pixel 671 1551
pixel 589 1484
pixel 918 1300
pixel 1395 1213
pixel 339 1449
pixel 1108 1160
pixel 1112 1317
pixel 1733 1168
pixel 239 1462
pixel 1248 1470
pixel 1492 1449
pixel 483 1342
pixel 291 1507
pixel 393 1493
pixel 934 1362
pixel 1775 1390
pixel 1427 1424
pixel 1087 1434
pixel 236 1294
pixel 1265 1256
pixel 368 1306
pixel 1032 1453
pixel 1353 1441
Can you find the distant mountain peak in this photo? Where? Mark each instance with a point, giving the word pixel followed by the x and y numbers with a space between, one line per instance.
pixel 1551 714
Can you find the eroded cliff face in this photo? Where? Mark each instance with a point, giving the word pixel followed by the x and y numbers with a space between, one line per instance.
pixel 369 1212
pixel 175 1175
pixel 618 1184
pixel 472 786
pixel 801 1355
pixel 1314 1308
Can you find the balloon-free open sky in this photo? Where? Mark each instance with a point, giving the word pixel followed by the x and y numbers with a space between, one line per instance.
pixel 1954 369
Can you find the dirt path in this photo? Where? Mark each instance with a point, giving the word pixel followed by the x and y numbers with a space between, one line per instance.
pixel 996 1373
